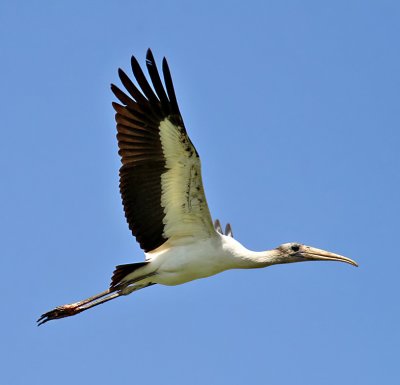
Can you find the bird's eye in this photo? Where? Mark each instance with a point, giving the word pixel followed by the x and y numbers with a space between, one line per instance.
pixel 295 248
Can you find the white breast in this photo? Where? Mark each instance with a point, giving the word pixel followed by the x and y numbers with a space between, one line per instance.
pixel 200 259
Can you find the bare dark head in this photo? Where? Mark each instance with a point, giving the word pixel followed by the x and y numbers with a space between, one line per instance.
pixel 296 252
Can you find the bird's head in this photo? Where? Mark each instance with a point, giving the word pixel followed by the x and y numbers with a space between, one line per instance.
pixel 296 252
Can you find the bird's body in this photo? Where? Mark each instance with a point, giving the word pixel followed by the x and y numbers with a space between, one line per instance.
pixel 196 259
pixel 164 200
pixel 185 263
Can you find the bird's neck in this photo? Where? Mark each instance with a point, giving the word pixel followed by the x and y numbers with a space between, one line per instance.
pixel 255 259
pixel 248 259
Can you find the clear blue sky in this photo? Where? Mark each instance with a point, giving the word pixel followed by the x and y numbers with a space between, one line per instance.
pixel 294 108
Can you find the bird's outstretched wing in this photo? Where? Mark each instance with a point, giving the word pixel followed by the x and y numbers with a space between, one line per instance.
pixel 160 177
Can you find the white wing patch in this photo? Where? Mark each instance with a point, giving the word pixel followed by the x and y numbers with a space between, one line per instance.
pixel 182 193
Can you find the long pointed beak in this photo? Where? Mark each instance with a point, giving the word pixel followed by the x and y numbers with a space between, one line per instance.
pixel 314 254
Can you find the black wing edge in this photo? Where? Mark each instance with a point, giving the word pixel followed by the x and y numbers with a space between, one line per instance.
pixel 143 107
pixel 156 101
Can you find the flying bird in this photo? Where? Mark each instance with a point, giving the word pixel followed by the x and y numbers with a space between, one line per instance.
pixel 164 202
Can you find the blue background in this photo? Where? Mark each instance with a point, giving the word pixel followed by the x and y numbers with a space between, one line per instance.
pixel 294 108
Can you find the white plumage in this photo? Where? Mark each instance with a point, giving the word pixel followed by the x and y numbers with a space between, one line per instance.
pixel 164 201
pixel 186 211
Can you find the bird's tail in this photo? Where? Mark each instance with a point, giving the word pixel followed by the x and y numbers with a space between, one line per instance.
pixel 121 271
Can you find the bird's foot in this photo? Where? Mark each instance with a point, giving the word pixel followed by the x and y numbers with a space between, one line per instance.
pixel 60 312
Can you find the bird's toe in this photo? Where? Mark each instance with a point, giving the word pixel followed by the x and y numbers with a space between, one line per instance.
pixel 59 312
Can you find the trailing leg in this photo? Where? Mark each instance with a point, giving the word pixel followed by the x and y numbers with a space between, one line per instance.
pixel 78 307
pixel 123 282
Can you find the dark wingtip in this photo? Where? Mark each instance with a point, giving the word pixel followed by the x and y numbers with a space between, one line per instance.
pixel 149 57
pixel 165 66
pixel 124 77
pixel 116 106
pixel 121 73
pixel 115 89
pixel 134 62
pixel 217 226
pixel 228 230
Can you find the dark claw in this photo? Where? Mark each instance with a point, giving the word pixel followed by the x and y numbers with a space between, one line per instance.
pixel 59 312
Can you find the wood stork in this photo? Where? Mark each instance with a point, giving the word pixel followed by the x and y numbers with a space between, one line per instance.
pixel 164 201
